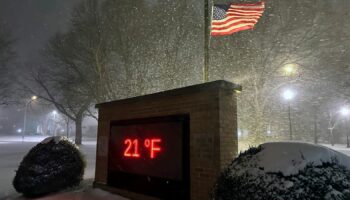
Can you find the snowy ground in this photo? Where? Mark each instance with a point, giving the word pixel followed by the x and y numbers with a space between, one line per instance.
pixel 12 150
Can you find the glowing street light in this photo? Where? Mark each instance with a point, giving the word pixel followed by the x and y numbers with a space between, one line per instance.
pixel 345 111
pixel 33 98
pixel 289 95
pixel 290 69
pixel 54 113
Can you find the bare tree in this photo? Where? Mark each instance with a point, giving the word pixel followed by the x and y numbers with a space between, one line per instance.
pixel 158 50
pixel 116 55
pixel 290 32
pixel 84 52
pixel 54 86
pixel 77 74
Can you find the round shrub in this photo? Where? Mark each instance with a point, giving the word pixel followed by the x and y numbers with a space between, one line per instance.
pixel 246 178
pixel 53 165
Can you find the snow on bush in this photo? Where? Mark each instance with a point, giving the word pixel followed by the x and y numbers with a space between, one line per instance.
pixel 52 165
pixel 286 171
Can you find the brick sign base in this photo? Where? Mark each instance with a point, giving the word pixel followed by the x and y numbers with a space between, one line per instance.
pixel 212 113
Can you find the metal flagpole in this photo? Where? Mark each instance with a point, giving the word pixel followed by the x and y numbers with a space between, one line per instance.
pixel 206 41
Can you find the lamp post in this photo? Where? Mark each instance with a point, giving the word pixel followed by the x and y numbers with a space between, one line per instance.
pixel 289 95
pixel 345 112
pixel 33 98
pixel 54 113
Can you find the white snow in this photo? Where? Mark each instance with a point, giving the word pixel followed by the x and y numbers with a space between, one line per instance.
pixel 291 157
pixel 56 139
pixel 334 195
pixel 260 169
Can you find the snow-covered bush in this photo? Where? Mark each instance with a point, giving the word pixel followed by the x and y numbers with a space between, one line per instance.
pixel 286 171
pixel 52 165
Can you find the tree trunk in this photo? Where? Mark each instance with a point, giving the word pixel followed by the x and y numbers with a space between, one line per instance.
pixel 67 127
pixel 78 130
pixel 315 133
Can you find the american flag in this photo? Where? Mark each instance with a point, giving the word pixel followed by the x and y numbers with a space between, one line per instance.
pixel 229 19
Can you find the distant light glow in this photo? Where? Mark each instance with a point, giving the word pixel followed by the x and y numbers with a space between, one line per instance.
pixel 19 130
pixel 239 133
pixel 34 98
pixel 54 112
pixel 289 69
pixel 288 94
pixel 345 111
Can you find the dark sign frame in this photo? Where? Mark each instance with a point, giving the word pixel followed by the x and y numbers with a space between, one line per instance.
pixel 163 188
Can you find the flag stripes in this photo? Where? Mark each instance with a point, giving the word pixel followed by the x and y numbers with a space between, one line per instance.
pixel 236 17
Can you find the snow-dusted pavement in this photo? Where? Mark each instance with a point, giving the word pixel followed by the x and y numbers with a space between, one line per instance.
pixel 12 151
pixel 339 147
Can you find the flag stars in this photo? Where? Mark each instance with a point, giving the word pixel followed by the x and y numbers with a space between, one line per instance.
pixel 218 13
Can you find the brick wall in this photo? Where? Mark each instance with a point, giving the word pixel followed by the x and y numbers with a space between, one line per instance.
pixel 213 130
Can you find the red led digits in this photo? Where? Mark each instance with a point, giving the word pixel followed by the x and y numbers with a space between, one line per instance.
pixel 152 145
pixel 132 147
pixel 128 151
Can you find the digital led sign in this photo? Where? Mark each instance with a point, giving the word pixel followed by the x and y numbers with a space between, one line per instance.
pixel 132 147
pixel 152 152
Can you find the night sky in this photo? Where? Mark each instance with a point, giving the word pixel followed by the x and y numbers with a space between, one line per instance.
pixel 33 22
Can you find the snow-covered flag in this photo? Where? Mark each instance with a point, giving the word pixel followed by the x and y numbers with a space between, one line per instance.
pixel 229 19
